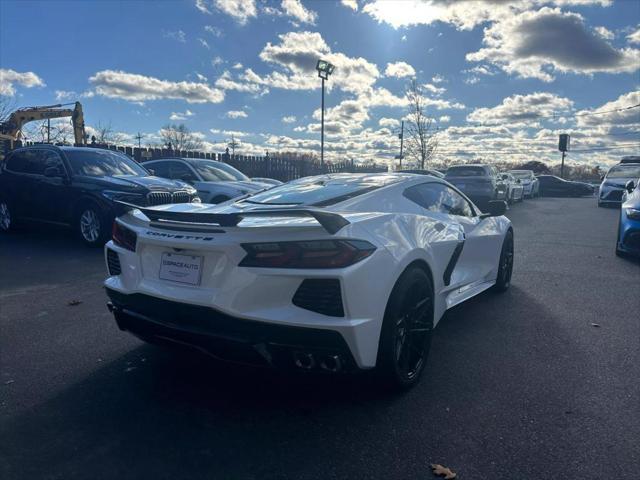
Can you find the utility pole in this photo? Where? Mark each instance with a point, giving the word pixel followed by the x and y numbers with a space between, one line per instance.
pixel 48 130
pixel 563 146
pixel 324 69
pixel 401 143
pixel 322 128
pixel 139 137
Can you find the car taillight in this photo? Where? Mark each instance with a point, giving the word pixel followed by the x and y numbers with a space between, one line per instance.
pixel 123 236
pixel 306 254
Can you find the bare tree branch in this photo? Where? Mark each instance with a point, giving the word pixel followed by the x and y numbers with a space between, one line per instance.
pixel 180 137
pixel 421 141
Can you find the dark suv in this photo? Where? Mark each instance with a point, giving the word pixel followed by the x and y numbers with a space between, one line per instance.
pixel 78 187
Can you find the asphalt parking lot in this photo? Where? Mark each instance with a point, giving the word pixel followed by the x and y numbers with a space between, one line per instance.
pixel 538 383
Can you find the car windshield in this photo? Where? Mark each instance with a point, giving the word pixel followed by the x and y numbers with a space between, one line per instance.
pixel 466 172
pixel 103 163
pixel 318 191
pixel 624 171
pixel 521 175
pixel 212 171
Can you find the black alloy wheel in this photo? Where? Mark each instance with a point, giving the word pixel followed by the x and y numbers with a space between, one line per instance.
pixel 407 329
pixel 505 267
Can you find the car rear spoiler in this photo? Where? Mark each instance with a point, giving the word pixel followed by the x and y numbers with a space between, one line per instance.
pixel 331 222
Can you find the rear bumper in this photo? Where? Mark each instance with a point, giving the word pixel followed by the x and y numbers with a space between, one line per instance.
pixel 230 338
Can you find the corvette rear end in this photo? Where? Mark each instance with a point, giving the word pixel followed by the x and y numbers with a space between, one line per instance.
pixel 295 303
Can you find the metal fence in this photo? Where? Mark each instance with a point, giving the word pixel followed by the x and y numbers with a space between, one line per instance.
pixel 279 168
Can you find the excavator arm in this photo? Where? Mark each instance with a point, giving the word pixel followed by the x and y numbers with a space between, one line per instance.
pixel 12 128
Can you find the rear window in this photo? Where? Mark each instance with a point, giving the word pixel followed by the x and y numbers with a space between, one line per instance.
pixel 466 172
pixel 624 171
pixel 318 192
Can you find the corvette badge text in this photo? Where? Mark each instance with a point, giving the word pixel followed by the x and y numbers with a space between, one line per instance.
pixel 178 236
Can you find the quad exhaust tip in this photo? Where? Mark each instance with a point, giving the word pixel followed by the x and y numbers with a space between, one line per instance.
pixel 307 361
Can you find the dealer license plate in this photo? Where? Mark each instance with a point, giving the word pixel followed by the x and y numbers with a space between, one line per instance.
pixel 181 268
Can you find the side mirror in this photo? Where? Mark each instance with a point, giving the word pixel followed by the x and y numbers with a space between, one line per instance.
pixel 52 172
pixel 629 186
pixel 495 208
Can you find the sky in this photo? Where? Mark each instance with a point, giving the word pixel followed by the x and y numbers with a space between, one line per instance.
pixel 500 79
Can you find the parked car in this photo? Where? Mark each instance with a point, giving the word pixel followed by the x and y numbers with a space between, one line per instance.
pixel 434 173
pixel 216 182
pixel 529 182
pixel 268 181
pixel 284 278
pixel 628 241
pixel 78 187
pixel 552 186
pixel 513 187
pixel 613 183
pixel 478 182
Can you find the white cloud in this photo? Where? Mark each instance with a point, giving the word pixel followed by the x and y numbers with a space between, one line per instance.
pixel 237 114
pixel 289 119
pixel 438 79
pixel 204 43
pixel 522 108
pixel 9 78
pixel 178 35
pixel 295 9
pixel 399 70
pixel 352 4
pixel 240 10
pixel 624 117
pixel 433 89
pixel 605 33
pixel 181 116
pixel 201 77
pixel 535 43
pixel 141 88
pixel 444 119
pixel 228 133
pixel 403 38
pixel 215 31
pixel 237 66
pixel 298 52
pixel 634 37
pixel 389 122
pixel 227 82
pixel 215 61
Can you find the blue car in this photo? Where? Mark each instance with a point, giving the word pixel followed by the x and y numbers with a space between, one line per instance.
pixel 628 242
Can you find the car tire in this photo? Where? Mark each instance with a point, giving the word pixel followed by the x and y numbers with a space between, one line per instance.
pixel 405 338
pixel 505 265
pixel 7 220
pixel 91 225
pixel 220 199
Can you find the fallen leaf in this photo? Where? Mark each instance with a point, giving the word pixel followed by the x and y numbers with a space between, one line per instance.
pixel 73 303
pixel 595 325
pixel 443 471
pixel 9 382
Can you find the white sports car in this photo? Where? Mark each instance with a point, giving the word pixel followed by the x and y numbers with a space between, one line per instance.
pixel 336 273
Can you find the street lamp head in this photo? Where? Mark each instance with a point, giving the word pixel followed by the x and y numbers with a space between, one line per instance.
pixel 324 69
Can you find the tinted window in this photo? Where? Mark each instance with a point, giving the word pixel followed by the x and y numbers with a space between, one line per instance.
pixel 103 163
pixel 160 169
pixel 437 197
pixel 180 171
pixel 28 161
pixel 466 172
pixel 212 171
pixel 626 171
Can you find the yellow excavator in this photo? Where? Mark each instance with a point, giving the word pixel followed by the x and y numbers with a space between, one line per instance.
pixel 11 129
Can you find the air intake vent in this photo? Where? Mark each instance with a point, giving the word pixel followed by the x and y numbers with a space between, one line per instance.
pixel 320 296
pixel 113 263
pixel 163 198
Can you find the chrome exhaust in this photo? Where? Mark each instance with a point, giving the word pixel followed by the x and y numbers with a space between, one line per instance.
pixel 304 360
pixel 331 363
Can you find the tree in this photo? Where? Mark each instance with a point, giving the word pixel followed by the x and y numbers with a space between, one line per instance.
pixel 7 107
pixel 55 131
pixel 233 144
pixel 421 141
pixel 536 166
pixel 104 134
pixel 180 137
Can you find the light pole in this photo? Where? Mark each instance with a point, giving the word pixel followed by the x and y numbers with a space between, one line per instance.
pixel 324 69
